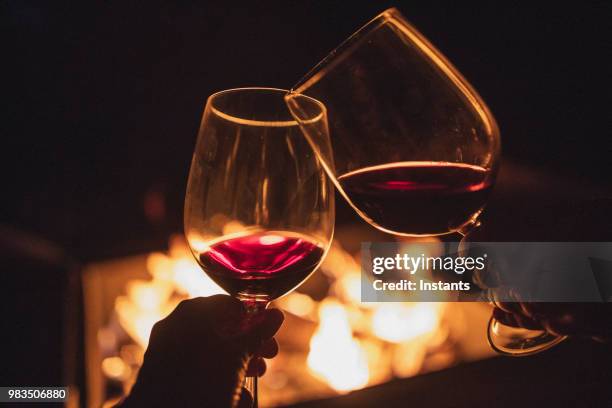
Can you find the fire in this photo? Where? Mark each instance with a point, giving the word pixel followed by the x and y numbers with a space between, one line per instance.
pixel 173 279
pixel 147 295
pixel 115 367
pixel 335 355
pixel 401 322
pixel 348 287
pixel 377 340
pixel 354 344
pixel 192 281
pixel 297 303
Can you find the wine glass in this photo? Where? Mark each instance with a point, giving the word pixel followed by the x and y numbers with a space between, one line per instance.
pixel 415 148
pixel 259 208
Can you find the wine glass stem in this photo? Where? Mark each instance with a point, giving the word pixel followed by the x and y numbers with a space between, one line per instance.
pixel 253 306
pixel 250 383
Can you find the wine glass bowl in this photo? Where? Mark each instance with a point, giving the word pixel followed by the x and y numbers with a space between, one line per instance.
pixel 517 341
pixel 259 209
pixel 415 149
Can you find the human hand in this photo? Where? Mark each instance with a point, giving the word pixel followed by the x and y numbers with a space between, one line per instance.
pixel 592 320
pixel 199 355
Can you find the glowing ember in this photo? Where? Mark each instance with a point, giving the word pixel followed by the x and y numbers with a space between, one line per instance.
pixel 335 355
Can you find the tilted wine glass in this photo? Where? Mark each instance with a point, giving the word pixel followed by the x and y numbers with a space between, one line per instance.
pixel 415 148
pixel 259 208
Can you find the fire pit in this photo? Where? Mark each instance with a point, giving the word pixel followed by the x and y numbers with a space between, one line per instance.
pixel 330 343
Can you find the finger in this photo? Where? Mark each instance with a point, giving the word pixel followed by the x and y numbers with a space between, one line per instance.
pixel 257 367
pixel 225 308
pixel 268 349
pixel 261 327
pixel 227 316
pixel 535 311
pixel 504 317
pixel 562 325
pixel 527 323
pixel 216 309
pixel 271 322
pixel 179 323
pixel 516 320
pixel 210 304
pixel 508 307
pixel 225 304
pixel 246 399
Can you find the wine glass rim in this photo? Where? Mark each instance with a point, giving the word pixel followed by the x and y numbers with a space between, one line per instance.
pixel 265 123
pixel 342 51
pixel 368 27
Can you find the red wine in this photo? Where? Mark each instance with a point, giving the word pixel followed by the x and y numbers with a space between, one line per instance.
pixel 418 197
pixel 264 263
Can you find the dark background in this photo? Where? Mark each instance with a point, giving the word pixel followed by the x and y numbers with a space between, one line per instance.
pixel 102 100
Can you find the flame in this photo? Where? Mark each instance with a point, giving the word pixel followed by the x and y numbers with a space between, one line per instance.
pixel 182 272
pixel 147 302
pixel 408 358
pixel 355 344
pixel 160 266
pixel 115 367
pixel 335 355
pixel 198 242
pixel 138 324
pixel 149 295
pixel 233 227
pixel 338 262
pixel 191 280
pixel 348 287
pixel 400 322
pixel 297 303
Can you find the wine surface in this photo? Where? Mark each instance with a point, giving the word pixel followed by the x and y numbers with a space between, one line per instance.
pixel 264 263
pixel 418 197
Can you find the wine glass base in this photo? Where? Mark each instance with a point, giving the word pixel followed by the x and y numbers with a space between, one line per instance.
pixel 519 342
